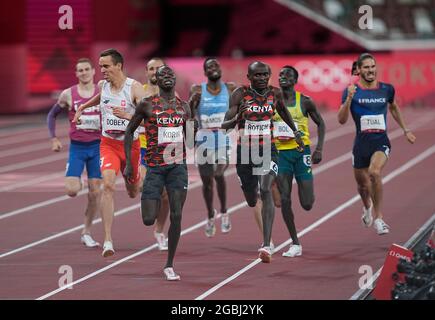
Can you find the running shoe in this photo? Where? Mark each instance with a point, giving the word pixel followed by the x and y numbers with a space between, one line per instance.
pixel 295 250
pixel 225 223
pixel 265 254
pixel 367 218
pixel 210 227
pixel 108 249
pixel 161 241
pixel 87 240
pixel 381 227
pixel 170 274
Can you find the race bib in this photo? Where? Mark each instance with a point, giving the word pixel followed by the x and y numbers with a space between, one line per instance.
pixel 89 122
pixel 114 125
pixel 373 123
pixel 170 135
pixel 257 128
pixel 282 131
pixel 213 121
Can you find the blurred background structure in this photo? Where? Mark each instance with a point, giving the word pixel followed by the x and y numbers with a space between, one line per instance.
pixel 321 38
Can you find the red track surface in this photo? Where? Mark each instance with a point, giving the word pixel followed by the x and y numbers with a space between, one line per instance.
pixel 332 252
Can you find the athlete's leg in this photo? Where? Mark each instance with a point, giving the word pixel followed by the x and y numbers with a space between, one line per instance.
pixel 94 197
pixel 221 185
pixel 107 202
pixel 285 186
pixel 76 164
pixel 176 186
pixel 377 163
pixel 306 193
pixel 177 197
pixel 72 186
pixel 364 186
pixel 276 195
pixel 206 174
pixel 257 215
pixel 268 210
pixel 163 212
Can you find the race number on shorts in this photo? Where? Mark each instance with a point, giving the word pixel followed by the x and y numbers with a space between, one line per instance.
pixel 373 123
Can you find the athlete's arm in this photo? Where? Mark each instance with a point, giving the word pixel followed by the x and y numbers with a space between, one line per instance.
pixel 314 114
pixel 138 93
pixel 234 111
pixel 190 127
pixel 194 99
pixel 142 112
pixel 286 116
pixel 63 102
pixel 231 86
pixel 95 100
pixel 397 115
pixel 343 113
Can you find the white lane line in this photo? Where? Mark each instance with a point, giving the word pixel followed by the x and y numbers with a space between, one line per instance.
pixel 96 221
pixel 370 283
pixel 47 202
pixel 32 137
pixel 325 218
pixel 29 182
pixel 331 136
pixel 316 170
pixel 35 162
pixel 32 148
pixel 147 249
pixel 328 216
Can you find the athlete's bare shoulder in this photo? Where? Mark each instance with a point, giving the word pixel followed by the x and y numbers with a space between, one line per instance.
pixel 231 86
pixel 195 89
pixel 65 98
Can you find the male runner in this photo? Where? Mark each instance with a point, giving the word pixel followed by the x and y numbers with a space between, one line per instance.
pixel 367 101
pixel 293 163
pixel 84 147
pixel 165 117
pixel 118 95
pixel 209 102
pixel 252 109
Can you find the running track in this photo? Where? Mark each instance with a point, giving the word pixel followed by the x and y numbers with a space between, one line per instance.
pixel 40 228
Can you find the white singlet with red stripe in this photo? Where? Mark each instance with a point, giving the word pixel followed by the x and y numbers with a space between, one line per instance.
pixel 114 127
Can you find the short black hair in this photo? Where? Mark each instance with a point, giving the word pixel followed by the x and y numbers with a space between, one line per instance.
pixel 363 57
pixel 162 67
pixel 250 66
pixel 116 56
pixel 353 70
pixel 294 70
pixel 204 66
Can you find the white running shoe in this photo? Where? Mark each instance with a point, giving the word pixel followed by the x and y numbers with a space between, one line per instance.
pixel 170 274
pixel 367 217
pixel 272 246
pixel 87 240
pixel 265 254
pixel 381 227
pixel 210 227
pixel 225 223
pixel 108 249
pixel 161 241
pixel 295 250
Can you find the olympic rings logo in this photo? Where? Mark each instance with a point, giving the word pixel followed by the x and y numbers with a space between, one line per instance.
pixel 324 74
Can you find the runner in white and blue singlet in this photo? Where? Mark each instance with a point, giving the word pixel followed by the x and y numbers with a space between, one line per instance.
pixel 209 102
pixel 368 102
